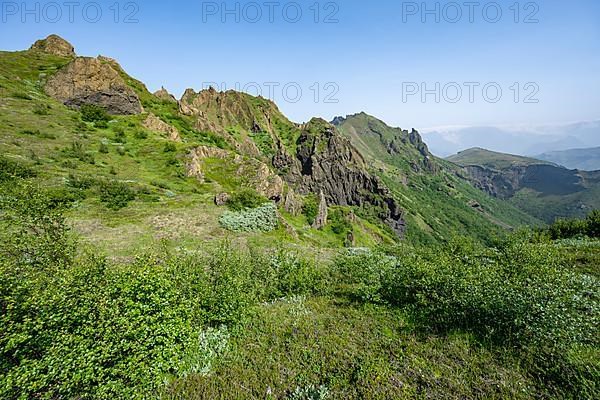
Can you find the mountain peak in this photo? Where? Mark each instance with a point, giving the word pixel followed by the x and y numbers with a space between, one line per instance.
pixel 55 45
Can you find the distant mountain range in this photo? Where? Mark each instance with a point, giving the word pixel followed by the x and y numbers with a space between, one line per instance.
pixel 530 141
pixel 582 159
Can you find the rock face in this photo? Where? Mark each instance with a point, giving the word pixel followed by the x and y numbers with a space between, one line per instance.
pixel 326 162
pixel 55 45
pixel 254 173
pixel 91 81
pixel 155 124
pixel 321 219
pixel 234 116
pixel 164 95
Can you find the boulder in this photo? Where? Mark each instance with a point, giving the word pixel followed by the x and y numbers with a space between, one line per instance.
pixel 221 199
pixel 55 45
pixel 88 80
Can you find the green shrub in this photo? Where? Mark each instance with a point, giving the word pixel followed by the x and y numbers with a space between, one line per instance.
pixel 339 223
pixel 140 134
pixel 81 182
pixel 571 228
pixel 120 135
pixel 103 148
pixel 261 219
pixel 93 113
pixel 41 109
pixel 310 208
pixel 245 199
pixel 116 195
pixel 101 124
pixel 10 170
pixel 78 151
pixel 33 231
pixel 170 147
pixel 593 224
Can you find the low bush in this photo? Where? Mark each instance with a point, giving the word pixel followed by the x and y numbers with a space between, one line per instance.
pixel 10 170
pixel 93 113
pixel 571 228
pixel 310 208
pixel 261 219
pixel 116 195
pixel 245 199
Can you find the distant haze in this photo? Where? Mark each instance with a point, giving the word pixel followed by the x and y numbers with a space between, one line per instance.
pixel 527 141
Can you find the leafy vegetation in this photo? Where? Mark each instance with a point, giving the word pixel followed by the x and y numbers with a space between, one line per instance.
pixel 94 113
pixel 261 219
pixel 173 311
pixel 571 228
pixel 245 199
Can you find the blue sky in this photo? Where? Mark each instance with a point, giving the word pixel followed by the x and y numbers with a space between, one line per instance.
pixel 366 60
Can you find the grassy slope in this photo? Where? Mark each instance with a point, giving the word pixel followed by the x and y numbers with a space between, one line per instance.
pixel 438 204
pixel 174 210
pixel 492 159
pixel 539 196
pixel 356 350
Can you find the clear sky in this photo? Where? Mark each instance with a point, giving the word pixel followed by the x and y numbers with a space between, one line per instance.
pixel 367 55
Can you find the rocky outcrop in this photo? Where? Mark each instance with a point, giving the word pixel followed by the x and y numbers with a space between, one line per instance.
pixel 326 162
pixel 321 219
pixel 55 45
pixel 256 174
pixel 292 203
pixel 155 124
pixel 237 117
pixel 164 95
pixel 90 81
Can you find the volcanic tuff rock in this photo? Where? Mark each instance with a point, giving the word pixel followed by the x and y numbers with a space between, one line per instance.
pixel 321 219
pixel 546 179
pixel 163 94
pixel 153 123
pixel 257 175
pixel 327 162
pixel 91 81
pixel 56 45
pixel 233 115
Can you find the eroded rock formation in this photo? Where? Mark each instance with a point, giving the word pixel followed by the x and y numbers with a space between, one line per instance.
pixel 55 45
pixel 88 80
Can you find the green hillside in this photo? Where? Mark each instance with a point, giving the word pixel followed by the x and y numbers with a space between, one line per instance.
pixel 437 200
pixel 210 248
pixel 492 159
pixel 539 188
